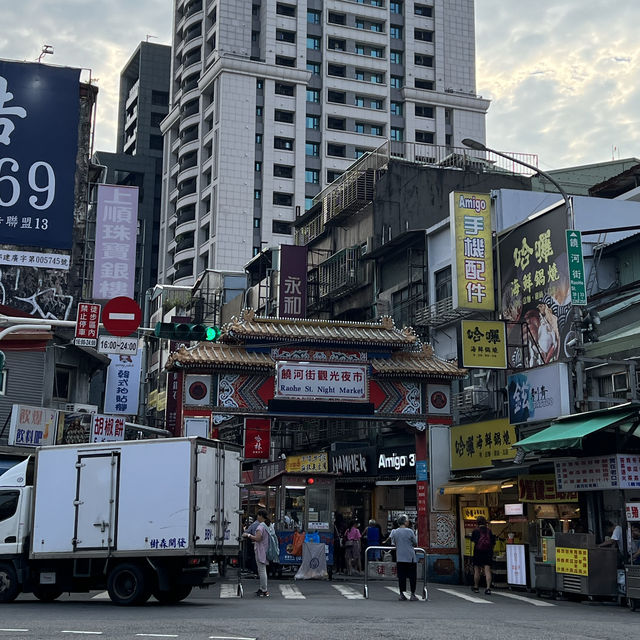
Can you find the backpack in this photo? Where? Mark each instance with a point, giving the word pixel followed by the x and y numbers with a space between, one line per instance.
pixel 484 541
pixel 273 551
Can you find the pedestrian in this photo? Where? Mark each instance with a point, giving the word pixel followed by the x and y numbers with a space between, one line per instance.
pixel 372 534
pixel 613 538
pixel 484 541
pixel 404 540
pixel 260 544
pixel 352 548
pixel 339 530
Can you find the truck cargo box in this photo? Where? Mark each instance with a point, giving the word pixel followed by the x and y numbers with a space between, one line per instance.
pixel 143 497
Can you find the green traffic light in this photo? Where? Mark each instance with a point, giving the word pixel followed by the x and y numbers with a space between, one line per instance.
pixel 212 334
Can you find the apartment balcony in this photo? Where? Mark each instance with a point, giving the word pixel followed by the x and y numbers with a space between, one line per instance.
pixel 438 314
pixel 354 191
pixel 340 274
pixel 310 231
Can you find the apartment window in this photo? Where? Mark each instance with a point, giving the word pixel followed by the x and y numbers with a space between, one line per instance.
pixel 308 203
pixel 338 70
pixel 256 251
pixel 443 284
pixel 336 150
pixel 424 136
pixel 313 95
pixel 377 130
pixel 336 123
pixel 313 122
pixel 282 199
pixel 424 111
pixel 369 25
pixel 423 61
pixel 285 144
pixel 313 42
pixel 254 36
pixel 285 36
pixel 286 10
pixel 395 7
pixel 396 57
pixel 259 84
pixel 359 127
pixel 257 194
pixel 333 175
pixel 423 35
pixel 337 96
pixel 259 112
pixel 283 89
pixel 160 98
pixel 424 84
pixel 282 227
pixel 258 138
pixel 258 166
pixel 255 10
pixel 314 67
pixel 62 383
pixel 360 152
pixel 337 18
pixel 369 103
pixel 397 134
pixel 282 171
pixel 397 82
pixel 336 44
pixel 256 223
pixel 395 32
pixel 284 116
pixel 312 149
pixel 313 16
pixel 423 10
pixel 285 61
pixel 397 108
pixel 312 176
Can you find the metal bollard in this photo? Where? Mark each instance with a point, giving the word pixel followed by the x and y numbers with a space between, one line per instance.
pixel 365 591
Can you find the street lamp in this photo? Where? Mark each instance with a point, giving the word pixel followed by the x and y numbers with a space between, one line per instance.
pixel 478 146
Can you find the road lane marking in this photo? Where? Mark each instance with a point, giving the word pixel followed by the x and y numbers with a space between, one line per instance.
pixel 229 591
pixel 156 635
pixel 103 595
pixel 535 603
pixel 348 592
pixel 465 596
pixel 229 638
pixel 84 633
pixel 291 593
pixel 10 630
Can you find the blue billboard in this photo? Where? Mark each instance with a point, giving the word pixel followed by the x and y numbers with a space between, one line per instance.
pixel 39 113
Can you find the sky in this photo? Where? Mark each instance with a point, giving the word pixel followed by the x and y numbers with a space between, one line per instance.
pixel 562 75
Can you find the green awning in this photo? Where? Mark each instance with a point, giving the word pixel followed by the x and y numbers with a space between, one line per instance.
pixel 568 434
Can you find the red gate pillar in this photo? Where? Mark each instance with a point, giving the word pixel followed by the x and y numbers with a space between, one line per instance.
pixel 422 488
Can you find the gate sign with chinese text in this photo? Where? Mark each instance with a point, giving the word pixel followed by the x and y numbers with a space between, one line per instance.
pixel 477 445
pixel 116 229
pixel 539 394
pixel 32 426
pixel 470 220
pixel 310 462
pixel 107 428
pixel 39 113
pixel 484 344
pixel 534 285
pixel 315 381
pixel 292 294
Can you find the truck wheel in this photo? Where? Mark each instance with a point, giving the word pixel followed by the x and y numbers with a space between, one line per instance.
pixel 174 595
pixel 46 594
pixel 9 588
pixel 128 584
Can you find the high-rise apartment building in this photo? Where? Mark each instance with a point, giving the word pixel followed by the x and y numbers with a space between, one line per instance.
pixel 271 100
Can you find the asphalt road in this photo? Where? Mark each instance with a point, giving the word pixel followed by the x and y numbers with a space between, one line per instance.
pixel 319 610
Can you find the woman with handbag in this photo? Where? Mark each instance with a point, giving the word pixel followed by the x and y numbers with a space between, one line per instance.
pixel 352 548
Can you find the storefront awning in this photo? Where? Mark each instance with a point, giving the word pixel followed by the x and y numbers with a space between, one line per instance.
pixel 473 487
pixel 568 434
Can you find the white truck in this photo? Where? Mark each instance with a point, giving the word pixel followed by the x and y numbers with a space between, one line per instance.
pixel 137 518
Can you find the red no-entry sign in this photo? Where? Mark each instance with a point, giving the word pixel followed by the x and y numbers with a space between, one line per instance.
pixel 121 316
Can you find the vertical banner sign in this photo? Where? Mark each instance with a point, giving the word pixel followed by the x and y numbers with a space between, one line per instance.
pixel 292 293
pixel 39 114
pixel 576 268
pixel 123 384
pixel 257 438
pixel 107 428
pixel 116 228
pixel 534 285
pixel 87 325
pixel 470 220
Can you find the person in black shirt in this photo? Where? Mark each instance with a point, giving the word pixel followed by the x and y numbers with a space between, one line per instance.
pixel 483 541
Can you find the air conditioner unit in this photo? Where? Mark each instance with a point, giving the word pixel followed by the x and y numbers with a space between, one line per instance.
pixel 478 396
pixel 75 407
pixel 620 381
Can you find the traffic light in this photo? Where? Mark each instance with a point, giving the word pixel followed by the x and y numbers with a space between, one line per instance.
pixel 181 332
pixel 310 481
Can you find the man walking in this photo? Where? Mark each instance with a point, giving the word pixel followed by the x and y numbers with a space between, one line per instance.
pixel 484 541
pixel 404 540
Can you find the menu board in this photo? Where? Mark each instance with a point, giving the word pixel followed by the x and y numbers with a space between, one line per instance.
pixel 587 474
pixel 572 561
pixel 629 471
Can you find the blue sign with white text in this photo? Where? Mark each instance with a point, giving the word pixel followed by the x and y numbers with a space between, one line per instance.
pixel 39 113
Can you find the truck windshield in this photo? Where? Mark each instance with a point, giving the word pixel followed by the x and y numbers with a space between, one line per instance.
pixel 8 504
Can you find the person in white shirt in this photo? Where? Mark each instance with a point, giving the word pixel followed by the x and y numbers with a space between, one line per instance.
pixel 614 533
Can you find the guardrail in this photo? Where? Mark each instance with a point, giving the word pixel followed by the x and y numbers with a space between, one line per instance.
pixel 365 593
